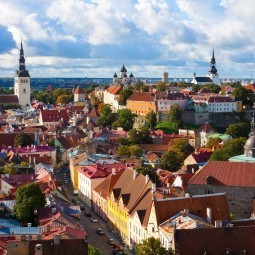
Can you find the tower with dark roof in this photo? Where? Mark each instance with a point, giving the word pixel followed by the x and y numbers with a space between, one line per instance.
pixel 213 72
pixel 22 81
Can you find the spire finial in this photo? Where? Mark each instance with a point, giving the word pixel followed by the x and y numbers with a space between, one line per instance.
pixel 21 45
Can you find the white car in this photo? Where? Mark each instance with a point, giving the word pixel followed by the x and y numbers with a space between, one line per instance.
pixel 94 220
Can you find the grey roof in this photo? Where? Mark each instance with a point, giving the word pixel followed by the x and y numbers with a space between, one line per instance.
pixel 203 79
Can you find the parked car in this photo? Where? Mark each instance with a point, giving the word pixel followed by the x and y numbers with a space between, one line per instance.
pixel 88 214
pixel 82 207
pixel 100 231
pixel 94 220
pixel 110 241
pixel 74 200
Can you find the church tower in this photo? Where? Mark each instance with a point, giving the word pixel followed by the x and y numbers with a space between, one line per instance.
pixel 22 81
pixel 213 73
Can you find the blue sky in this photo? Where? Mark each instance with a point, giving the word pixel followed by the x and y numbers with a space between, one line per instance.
pixel 93 38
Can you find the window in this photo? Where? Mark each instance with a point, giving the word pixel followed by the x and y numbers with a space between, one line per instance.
pixel 24 90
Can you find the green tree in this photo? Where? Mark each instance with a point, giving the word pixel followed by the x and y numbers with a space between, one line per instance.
pixel 235 145
pixel 221 155
pixel 241 129
pixel 244 95
pixel 28 200
pixel 123 150
pixel 196 87
pixel 181 146
pixel 135 150
pixel 125 119
pixel 107 117
pixel 150 172
pixel 9 168
pixel 93 250
pixel 175 114
pixel 140 86
pixel 64 99
pixel 151 119
pixel 23 139
pixel 161 86
pixel 139 136
pixel 213 88
pixel 213 142
pixel 124 95
pixel 51 142
pixel 171 160
pixel 152 246
pixel 24 164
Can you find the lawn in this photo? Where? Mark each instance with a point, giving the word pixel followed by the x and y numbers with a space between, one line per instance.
pixel 168 127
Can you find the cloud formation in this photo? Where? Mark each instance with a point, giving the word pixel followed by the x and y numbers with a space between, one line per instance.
pixel 95 37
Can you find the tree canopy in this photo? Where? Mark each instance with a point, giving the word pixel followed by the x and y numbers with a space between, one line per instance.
pixel 244 95
pixel 140 86
pixel 150 172
pixel 125 119
pixel 151 119
pixel 124 95
pixel 28 200
pixel 175 114
pixel 161 86
pixel 129 150
pixel 213 142
pixel 181 146
pixel 93 250
pixel 171 160
pixel 152 246
pixel 107 117
pixel 241 129
pixel 22 139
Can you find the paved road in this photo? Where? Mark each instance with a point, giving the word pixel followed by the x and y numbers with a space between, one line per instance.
pixel 99 241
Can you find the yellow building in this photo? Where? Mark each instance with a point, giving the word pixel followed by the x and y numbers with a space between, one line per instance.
pixel 74 166
pixel 125 194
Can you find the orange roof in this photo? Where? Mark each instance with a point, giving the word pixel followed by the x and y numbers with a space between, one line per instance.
pixel 142 96
pixel 115 90
pixel 79 90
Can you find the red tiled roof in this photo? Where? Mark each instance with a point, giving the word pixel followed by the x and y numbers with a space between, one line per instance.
pixel 220 99
pixel 142 96
pixel 93 113
pixel 226 173
pixel 207 128
pixel 115 90
pixel 79 90
pixel 54 115
pixel 9 99
pixel 154 147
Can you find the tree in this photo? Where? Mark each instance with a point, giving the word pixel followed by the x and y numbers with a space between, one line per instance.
pixel 152 246
pixel 236 145
pixel 213 142
pixel 139 136
pixel 124 95
pixel 9 168
pixel 171 160
pixel 150 172
pixel 151 119
pixel 181 146
pixel 175 114
pixel 213 88
pixel 51 142
pixel 221 155
pixel 161 86
pixel 28 200
pixel 241 129
pixel 135 150
pixel 244 95
pixel 64 99
pixel 123 150
pixel 24 164
pixel 140 86
pixel 93 250
pixel 125 119
pixel 196 87
pixel 23 139
pixel 107 117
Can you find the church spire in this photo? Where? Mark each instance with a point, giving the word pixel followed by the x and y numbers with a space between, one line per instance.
pixel 213 61
pixel 22 72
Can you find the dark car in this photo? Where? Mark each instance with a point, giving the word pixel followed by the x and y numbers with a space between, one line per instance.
pixel 82 206
pixel 74 200
pixel 88 214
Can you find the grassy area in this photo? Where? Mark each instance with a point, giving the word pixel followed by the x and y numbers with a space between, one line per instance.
pixel 168 127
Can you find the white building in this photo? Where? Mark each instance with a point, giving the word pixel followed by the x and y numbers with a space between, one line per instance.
pixel 22 81
pixel 111 97
pixel 165 100
pixel 218 104
pixel 123 77
pixel 79 94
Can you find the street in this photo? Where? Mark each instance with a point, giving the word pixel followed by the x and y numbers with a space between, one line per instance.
pixel 98 241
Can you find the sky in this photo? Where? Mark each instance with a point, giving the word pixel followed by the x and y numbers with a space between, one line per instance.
pixel 94 38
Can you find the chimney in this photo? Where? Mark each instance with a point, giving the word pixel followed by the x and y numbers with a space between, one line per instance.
pixel 153 188
pixel 114 171
pixel 168 185
pixel 29 225
pixel 39 237
pixel 38 249
pixel 209 214
pixel 56 239
pixel 147 178
pixel 134 174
